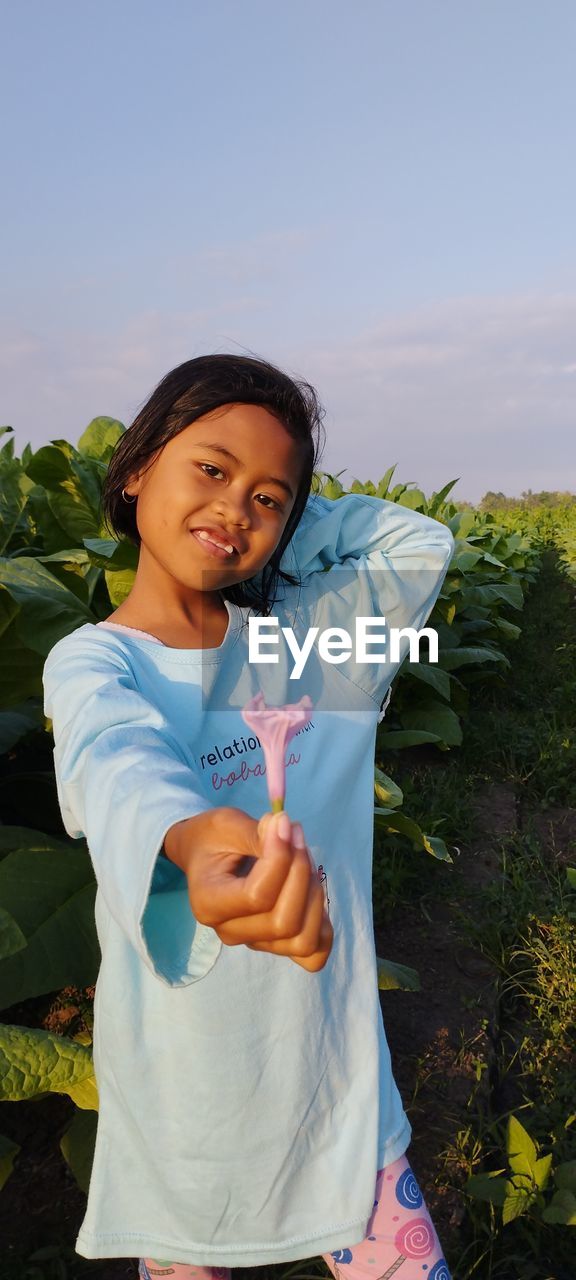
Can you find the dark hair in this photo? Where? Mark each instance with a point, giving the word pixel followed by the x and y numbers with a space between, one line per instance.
pixel 185 394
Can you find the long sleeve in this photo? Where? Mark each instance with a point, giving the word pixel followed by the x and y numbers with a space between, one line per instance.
pixel 122 782
pixel 361 556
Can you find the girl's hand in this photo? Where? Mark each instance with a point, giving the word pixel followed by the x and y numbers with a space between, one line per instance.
pixel 253 887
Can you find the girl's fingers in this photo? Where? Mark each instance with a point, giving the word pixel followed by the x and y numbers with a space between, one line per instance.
pixel 317 961
pixel 219 893
pixel 286 919
pixel 307 940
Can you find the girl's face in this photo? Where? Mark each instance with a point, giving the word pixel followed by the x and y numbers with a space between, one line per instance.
pixel 243 497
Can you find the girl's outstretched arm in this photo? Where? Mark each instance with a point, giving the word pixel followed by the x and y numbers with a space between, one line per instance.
pixel 123 780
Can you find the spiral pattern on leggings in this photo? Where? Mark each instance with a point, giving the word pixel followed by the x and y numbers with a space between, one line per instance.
pixel 408 1192
pixel 415 1239
pixel 440 1271
pixel 342 1255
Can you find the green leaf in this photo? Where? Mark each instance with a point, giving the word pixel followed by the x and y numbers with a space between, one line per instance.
pixel 106 553
pixel 565 1176
pixel 516 1202
pixel 452 659
pixel 8 1152
pixel 435 717
pixel 562 1209
pixel 464 557
pixel 396 977
pixel 412 498
pixel 77 1146
pixel 74 513
pixel 542 1171
pixel 48 611
pixel 487 1186
pixel 399 823
pixel 34 1061
pixel 520 1149
pixel 508 629
pixel 571 876
pixel 387 791
pixel 48 888
pixel 11 937
pixel 49 467
pixel 437 499
pixel 493 593
pixel 8 609
pixel 384 484
pixel 100 438
pixel 119 585
pixel 429 674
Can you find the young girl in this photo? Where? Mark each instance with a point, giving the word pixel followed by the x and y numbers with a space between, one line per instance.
pixel 247 1109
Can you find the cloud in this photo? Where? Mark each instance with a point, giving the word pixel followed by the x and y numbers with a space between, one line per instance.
pixel 476 387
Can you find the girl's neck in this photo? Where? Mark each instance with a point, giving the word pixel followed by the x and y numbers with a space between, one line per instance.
pixel 177 629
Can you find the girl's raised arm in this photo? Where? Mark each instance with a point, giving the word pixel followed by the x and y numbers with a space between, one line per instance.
pixel 386 561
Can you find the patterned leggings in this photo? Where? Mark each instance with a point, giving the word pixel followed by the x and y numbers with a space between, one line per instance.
pixel 400 1237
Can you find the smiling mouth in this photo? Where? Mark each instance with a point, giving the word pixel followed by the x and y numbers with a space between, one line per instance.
pixel 214 548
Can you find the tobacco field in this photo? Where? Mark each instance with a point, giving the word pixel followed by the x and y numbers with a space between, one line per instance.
pixel 474 875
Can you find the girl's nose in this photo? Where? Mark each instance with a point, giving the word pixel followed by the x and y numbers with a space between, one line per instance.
pixel 234 508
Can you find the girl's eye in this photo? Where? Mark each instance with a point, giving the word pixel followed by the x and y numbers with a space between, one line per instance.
pixel 275 505
pixel 209 466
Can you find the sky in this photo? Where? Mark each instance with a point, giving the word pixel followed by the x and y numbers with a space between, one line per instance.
pixel 377 196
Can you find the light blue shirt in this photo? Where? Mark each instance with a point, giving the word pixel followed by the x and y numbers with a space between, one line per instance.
pixel 245 1104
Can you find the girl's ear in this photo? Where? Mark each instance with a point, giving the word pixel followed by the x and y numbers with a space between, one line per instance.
pixel 137 477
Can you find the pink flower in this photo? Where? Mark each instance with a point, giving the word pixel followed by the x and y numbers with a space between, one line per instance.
pixel 275 727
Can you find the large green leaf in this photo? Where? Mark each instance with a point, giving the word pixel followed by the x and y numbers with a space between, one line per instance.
pixel 119 585
pixel 391 820
pixel 452 659
pixel 48 610
pixel 396 977
pixel 487 1186
pixel 106 553
pixel 12 504
pixel 11 937
pixel 48 888
pixel 49 467
pixel 20 669
pixel 100 438
pixel 34 1061
pixel 495 593
pixel 74 513
pixel 387 792
pixel 520 1149
pixel 412 498
pixel 77 1146
pixel 8 1152
pixel 429 674
pixel 435 717
pixel 562 1209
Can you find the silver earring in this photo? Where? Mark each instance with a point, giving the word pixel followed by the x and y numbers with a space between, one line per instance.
pixel 130 497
